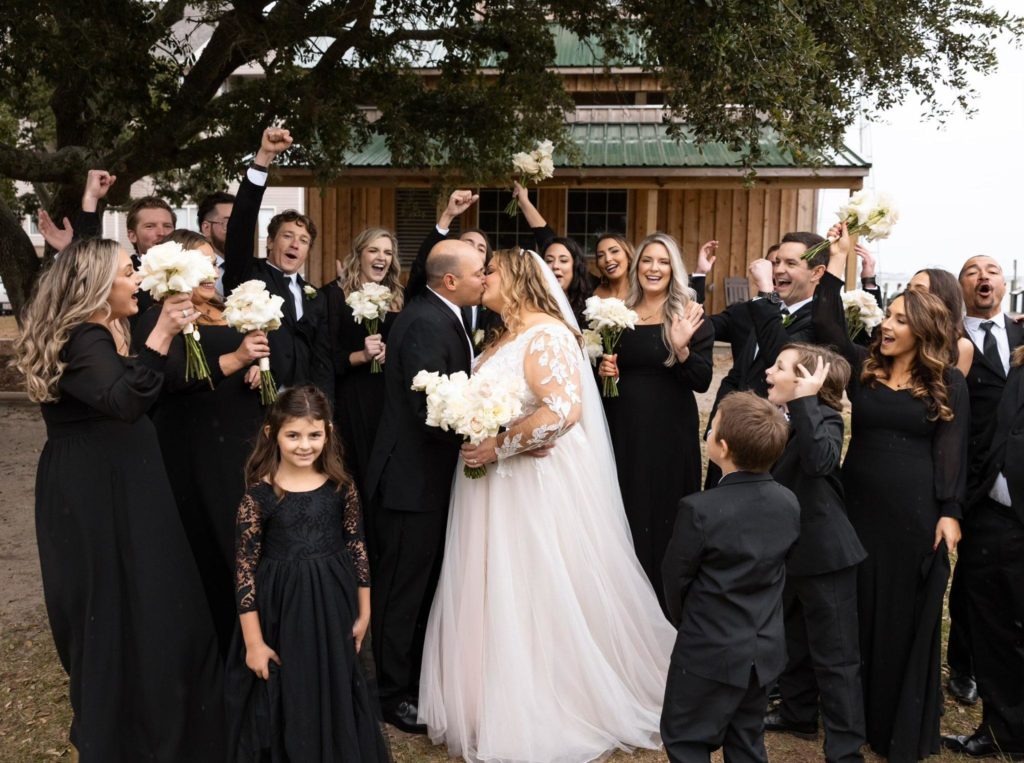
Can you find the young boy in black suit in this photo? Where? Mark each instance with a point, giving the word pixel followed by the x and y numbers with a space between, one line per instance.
pixel 724 573
pixel 820 597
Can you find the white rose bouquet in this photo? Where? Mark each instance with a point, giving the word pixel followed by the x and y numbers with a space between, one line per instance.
pixel 592 345
pixel 532 167
pixel 864 214
pixel 168 269
pixel 475 407
pixel 609 318
pixel 862 312
pixel 369 305
pixel 250 307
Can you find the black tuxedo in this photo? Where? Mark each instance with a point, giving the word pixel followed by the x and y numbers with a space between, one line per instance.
pixel 991 562
pixel 300 351
pixel 820 597
pixel 409 481
pixel 724 573
pixel 985 382
pixel 765 338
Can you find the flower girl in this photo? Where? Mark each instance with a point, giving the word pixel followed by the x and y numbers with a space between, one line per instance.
pixel 294 688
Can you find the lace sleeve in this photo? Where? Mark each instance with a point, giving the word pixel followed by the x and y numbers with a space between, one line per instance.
pixel 354 538
pixel 248 547
pixel 552 371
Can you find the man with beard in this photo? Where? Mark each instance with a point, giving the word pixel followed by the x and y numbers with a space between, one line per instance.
pixel 213 215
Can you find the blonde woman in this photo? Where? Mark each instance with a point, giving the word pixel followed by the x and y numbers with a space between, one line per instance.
pixel 654 421
pixel 124 600
pixel 545 642
pixel 358 394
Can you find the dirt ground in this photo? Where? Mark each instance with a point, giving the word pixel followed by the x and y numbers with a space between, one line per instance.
pixel 34 712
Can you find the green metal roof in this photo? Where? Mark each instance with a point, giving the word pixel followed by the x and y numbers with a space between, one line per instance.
pixel 637 145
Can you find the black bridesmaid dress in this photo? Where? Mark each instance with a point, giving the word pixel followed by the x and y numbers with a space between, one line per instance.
pixel 902 473
pixel 301 560
pixel 655 429
pixel 205 437
pixel 358 394
pixel 124 599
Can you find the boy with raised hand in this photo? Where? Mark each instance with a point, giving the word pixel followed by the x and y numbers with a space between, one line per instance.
pixel 724 573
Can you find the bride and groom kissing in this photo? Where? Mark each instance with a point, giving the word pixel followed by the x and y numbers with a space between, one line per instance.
pixel 510 616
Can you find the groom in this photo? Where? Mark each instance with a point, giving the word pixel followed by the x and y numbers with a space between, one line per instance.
pixel 409 477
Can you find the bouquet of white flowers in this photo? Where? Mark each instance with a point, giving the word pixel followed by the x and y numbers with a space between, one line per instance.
pixel 862 312
pixel 370 304
pixel 532 167
pixel 609 318
pixel 592 345
pixel 168 269
pixel 864 213
pixel 250 307
pixel 475 407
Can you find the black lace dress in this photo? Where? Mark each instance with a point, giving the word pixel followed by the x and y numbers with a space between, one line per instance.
pixel 125 602
pixel 655 429
pixel 901 474
pixel 300 561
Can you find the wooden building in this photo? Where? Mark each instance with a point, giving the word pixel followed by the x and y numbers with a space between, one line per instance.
pixel 633 178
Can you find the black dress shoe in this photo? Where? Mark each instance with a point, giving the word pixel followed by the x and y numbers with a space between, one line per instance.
pixel 980 745
pixel 774 721
pixel 404 716
pixel 963 688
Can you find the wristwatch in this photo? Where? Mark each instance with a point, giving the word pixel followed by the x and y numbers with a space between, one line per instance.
pixel 771 296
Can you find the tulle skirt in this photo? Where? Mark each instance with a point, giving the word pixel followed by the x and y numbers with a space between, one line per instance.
pixel 545 642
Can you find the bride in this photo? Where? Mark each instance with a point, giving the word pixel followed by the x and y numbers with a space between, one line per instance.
pixel 545 642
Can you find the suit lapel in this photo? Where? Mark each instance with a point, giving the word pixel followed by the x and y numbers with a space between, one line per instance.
pixel 454 321
pixel 281 284
pixel 979 354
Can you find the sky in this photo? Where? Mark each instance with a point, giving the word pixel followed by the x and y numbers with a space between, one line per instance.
pixel 957 185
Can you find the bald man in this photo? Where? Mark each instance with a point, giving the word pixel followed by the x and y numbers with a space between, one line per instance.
pixel 410 474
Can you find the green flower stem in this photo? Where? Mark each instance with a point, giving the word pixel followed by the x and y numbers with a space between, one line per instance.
pixel 372 327
pixel 195 360
pixel 610 340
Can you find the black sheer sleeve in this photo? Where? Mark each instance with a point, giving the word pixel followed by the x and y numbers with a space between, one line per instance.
pixel 542 236
pixel 122 388
pixel 829 321
pixel 355 541
pixel 248 549
pixel 87 224
pixel 697 370
pixel 949 449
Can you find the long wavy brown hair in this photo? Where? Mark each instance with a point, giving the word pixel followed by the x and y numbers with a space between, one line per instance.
pixel 944 285
pixel 351 278
pixel 305 402
pixel 70 291
pixel 523 287
pixel 932 326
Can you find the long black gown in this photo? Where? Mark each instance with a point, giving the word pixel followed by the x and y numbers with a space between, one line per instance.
pixel 655 428
pixel 358 393
pixel 301 559
pixel 205 437
pixel 902 473
pixel 124 599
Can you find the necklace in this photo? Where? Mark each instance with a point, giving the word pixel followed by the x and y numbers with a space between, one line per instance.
pixel 644 318
pixel 208 316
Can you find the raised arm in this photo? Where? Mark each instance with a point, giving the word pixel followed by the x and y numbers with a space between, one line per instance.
pixel 819 437
pixel 552 369
pixel 542 232
pixel 829 321
pixel 460 200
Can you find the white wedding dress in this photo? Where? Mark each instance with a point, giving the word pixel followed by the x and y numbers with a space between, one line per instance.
pixel 545 641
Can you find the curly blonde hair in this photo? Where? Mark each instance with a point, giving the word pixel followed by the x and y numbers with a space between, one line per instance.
pixel 930 323
pixel 523 287
pixel 351 278
pixel 73 289
pixel 679 291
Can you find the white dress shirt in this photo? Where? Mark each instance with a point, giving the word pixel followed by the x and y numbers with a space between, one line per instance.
pixel 458 314
pixel 977 335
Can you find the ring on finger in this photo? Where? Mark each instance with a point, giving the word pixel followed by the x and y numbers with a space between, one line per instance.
pixel 184 313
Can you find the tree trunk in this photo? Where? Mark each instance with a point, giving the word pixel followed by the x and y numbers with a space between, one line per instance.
pixel 19 263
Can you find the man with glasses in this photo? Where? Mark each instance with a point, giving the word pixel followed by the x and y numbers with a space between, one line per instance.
pixel 214 213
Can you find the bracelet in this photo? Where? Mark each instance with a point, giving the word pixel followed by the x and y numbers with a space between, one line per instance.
pixel 259 167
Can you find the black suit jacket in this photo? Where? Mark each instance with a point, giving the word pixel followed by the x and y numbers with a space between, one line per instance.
pixel 300 351
pixel 810 468
pixel 985 383
pixel 724 572
pixel 1004 451
pixel 412 464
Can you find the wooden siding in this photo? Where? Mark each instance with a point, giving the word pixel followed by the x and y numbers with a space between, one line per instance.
pixel 339 214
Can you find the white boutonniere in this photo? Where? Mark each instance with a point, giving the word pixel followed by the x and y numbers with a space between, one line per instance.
pixel 309 291
pixel 478 338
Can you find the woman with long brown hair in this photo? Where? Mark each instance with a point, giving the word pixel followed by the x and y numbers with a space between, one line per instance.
pixel 545 641
pixel 359 394
pixel 904 479
pixel 944 285
pixel 613 255
pixel 122 593
pixel 206 430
